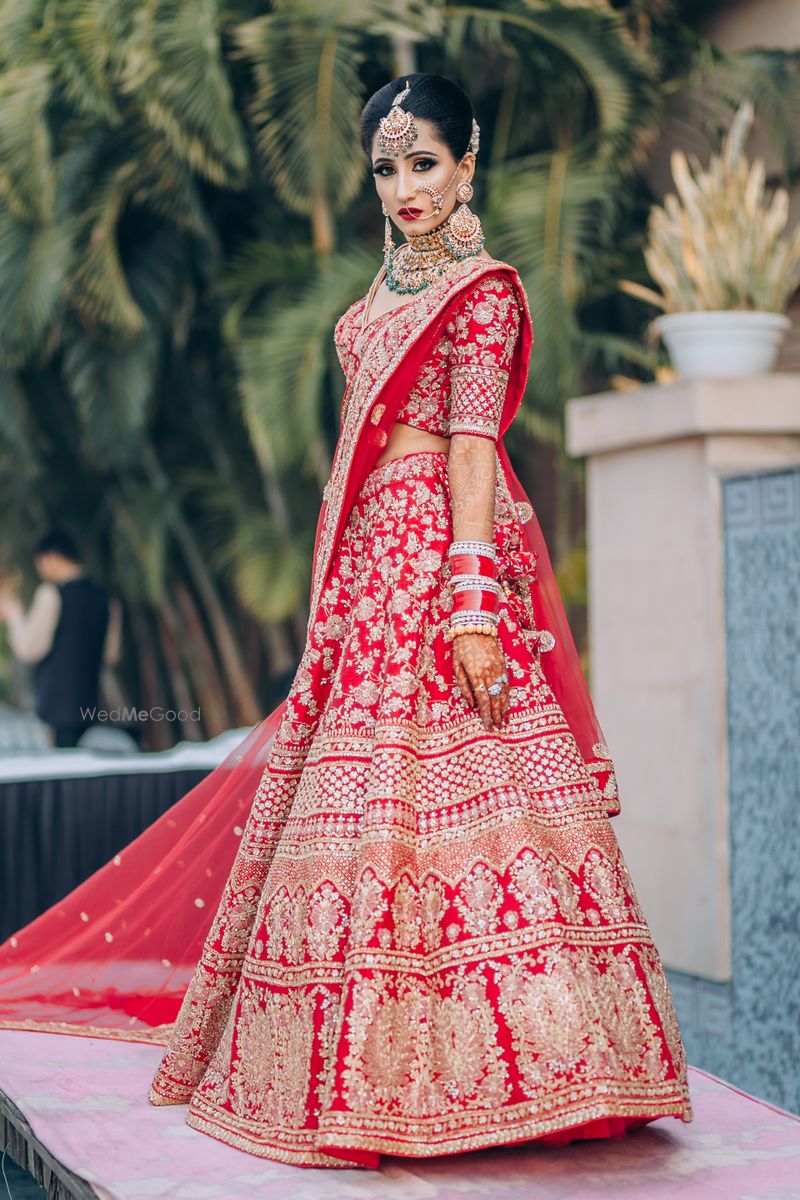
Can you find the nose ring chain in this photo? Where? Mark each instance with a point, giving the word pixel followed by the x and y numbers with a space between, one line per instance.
pixel 438 197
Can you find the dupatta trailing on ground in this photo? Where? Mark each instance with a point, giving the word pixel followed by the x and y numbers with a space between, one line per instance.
pixel 115 956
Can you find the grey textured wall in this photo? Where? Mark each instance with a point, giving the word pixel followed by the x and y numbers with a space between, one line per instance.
pixel 748 1031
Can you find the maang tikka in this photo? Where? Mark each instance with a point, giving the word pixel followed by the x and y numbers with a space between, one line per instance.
pixel 397 131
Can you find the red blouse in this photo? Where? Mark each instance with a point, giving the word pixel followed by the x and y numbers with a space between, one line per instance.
pixel 462 384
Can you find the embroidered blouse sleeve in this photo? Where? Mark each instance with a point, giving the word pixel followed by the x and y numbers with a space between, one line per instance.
pixel 486 328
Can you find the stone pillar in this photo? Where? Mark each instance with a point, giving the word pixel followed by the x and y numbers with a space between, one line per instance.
pixel 658 459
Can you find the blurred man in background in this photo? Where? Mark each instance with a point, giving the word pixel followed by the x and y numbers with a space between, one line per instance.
pixel 71 630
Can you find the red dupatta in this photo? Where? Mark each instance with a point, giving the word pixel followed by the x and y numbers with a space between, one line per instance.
pixel 114 957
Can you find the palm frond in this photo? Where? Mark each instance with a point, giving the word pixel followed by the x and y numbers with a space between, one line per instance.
pixel 577 49
pixel 139 543
pixel 17 451
pixel 553 215
pixel 100 288
pixel 283 362
pixel 614 351
pixel 258 268
pixel 174 69
pixel 269 567
pixel 716 83
pixel 20 22
pixel 112 384
pixel 548 430
pixel 307 100
pixel 26 169
pixel 111 387
pixel 82 37
pixel 167 187
pixel 34 265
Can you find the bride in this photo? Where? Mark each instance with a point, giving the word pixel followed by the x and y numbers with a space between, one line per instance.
pixel 424 936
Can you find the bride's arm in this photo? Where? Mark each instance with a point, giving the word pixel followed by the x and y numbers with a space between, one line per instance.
pixel 471 470
pixel 477 657
pixel 484 333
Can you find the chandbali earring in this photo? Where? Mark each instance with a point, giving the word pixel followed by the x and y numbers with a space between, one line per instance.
pixel 462 232
pixel 388 240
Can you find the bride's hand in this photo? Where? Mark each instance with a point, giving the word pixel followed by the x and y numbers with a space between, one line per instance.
pixel 478 662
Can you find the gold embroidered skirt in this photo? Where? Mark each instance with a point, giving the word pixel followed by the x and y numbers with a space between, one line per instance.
pixel 429 941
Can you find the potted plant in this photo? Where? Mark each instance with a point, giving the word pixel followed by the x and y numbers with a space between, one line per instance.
pixel 725 267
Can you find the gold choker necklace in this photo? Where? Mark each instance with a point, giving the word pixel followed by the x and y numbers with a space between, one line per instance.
pixel 426 256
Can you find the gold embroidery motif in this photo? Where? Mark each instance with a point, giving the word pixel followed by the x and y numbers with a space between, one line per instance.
pixel 479 900
pixel 275 1040
pixel 421 1053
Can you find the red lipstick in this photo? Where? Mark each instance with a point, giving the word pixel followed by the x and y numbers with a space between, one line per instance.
pixel 409 214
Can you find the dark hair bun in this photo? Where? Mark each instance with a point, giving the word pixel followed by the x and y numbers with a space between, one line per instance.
pixel 433 98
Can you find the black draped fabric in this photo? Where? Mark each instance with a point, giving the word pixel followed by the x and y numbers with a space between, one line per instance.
pixel 54 833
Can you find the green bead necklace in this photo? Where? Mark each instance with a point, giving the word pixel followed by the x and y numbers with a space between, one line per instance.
pixel 425 257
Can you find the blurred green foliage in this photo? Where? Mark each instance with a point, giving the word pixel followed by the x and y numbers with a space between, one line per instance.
pixel 185 211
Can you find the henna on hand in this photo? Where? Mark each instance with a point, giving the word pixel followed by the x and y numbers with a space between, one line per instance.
pixel 478 659
pixel 478 662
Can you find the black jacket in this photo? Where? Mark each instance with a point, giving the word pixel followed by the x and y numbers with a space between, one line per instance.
pixel 67 679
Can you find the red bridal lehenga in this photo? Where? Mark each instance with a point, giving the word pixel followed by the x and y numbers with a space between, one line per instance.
pixel 379 928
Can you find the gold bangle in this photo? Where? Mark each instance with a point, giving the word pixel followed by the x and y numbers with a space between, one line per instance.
pixel 456 630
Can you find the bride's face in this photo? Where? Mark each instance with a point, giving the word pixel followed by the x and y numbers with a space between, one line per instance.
pixel 429 163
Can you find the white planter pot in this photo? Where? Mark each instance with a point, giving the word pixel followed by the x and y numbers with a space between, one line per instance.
pixel 722 344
